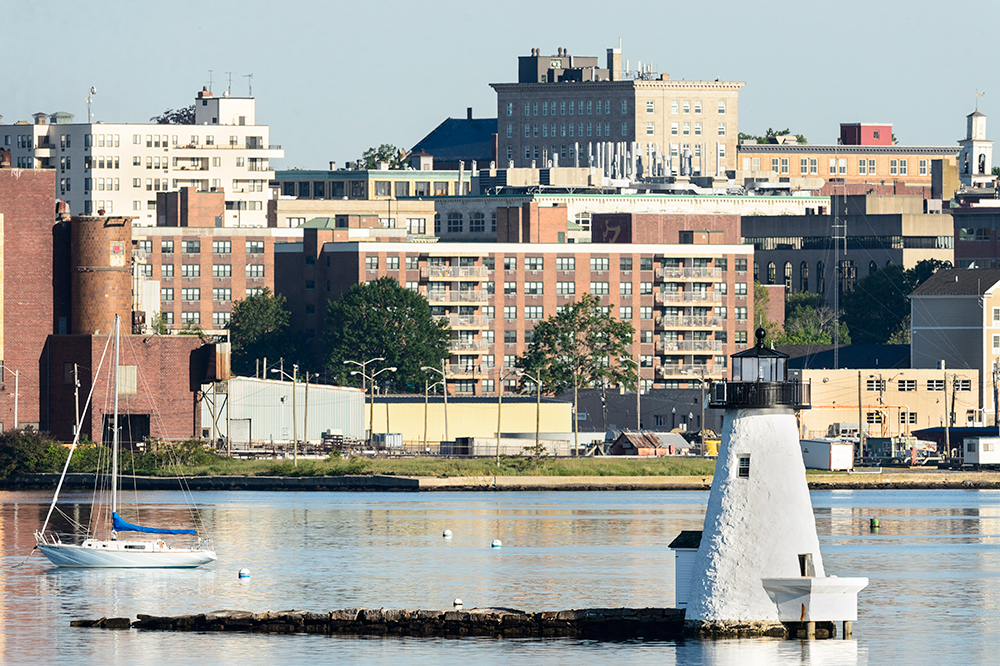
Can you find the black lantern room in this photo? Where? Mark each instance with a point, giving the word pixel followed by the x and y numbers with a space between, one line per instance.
pixel 760 379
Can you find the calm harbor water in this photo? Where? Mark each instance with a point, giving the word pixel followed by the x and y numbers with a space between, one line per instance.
pixel 934 566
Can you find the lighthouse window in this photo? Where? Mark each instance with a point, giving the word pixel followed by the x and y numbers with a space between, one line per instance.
pixel 743 468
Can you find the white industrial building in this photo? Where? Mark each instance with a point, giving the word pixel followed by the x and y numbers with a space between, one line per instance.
pixel 119 167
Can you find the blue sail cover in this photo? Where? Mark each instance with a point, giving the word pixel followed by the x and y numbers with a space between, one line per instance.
pixel 120 525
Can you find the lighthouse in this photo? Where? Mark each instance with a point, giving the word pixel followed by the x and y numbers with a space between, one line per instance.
pixel 758 569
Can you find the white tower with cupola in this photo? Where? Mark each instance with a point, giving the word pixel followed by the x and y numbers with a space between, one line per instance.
pixel 975 160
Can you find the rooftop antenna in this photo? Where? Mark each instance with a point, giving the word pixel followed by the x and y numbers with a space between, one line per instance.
pixel 249 78
pixel 978 95
pixel 210 80
pixel 229 90
pixel 90 98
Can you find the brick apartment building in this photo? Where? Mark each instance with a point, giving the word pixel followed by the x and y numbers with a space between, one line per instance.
pixel 682 282
pixel 190 268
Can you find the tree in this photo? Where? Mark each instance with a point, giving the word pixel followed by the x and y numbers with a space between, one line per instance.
pixel 383 319
pixel 809 321
pixel 769 134
pixel 583 345
pixel 259 329
pixel 183 116
pixel 877 310
pixel 384 153
pixel 761 302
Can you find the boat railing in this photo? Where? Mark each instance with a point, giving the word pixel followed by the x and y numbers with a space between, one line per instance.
pixel 47 538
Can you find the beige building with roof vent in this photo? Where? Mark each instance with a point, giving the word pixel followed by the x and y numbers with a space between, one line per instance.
pixel 563 106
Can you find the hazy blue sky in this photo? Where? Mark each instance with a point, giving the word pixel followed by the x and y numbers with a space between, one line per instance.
pixel 332 78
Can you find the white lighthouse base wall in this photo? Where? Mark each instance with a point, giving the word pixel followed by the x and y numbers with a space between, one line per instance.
pixel 756 526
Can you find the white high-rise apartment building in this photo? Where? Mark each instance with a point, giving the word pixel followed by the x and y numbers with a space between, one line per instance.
pixel 119 167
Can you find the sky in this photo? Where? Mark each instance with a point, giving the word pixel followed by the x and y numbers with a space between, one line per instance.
pixel 332 78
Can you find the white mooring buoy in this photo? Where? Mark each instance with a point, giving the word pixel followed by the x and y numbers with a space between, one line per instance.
pixel 244 573
pixel 458 602
pixel 497 543
pixel 446 534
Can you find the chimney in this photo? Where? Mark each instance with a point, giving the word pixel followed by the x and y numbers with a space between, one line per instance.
pixel 468 113
pixel 614 64
pixel 4 158
pixel 333 165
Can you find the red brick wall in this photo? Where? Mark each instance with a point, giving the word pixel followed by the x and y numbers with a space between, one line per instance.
pixel 27 205
pixel 661 228
pixel 99 290
pixel 169 371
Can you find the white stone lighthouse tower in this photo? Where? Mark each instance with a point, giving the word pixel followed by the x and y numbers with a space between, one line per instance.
pixel 758 564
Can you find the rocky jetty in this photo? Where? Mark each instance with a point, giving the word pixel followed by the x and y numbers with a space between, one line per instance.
pixel 594 623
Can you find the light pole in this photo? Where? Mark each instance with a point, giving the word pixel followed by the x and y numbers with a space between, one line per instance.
pixel 371 410
pixel 537 379
pixel 17 377
pixel 444 389
pixel 364 367
pixel 295 423
pixel 502 377
pixel 427 387
pixel 701 373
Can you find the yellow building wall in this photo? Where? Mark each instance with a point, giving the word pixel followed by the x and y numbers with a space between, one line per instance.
pixel 835 400
pixel 465 419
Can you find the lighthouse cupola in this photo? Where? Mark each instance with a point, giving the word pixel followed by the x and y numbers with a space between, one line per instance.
pixel 760 380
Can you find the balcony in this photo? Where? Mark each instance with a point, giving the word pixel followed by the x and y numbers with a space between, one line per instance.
pixel 464 370
pixel 689 346
pixel 690 322
pixel 688 297
pixel 456 346
pixel 453 272
pixel 669 370
pixel 434 296
pixel 688 273
pixel 793 393
pixel 464 321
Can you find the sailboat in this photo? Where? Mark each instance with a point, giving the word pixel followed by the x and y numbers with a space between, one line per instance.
pixel 113 552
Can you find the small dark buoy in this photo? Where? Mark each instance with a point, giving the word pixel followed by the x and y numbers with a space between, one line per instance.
pixel 873 524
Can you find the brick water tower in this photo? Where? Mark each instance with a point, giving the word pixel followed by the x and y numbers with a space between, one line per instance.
pixel 101 268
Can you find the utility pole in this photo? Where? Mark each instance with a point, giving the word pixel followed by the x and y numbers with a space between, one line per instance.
pixel 76 396
pixel 861 437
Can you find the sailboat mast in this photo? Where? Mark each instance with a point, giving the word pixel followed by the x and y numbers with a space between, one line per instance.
pixel 114 436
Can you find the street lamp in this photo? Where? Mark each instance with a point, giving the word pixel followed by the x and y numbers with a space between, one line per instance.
pixel 295 424
pixel 363 365
pixel 17 377
pixel 502 377
pixel 444 389
pixel 427 388
pixel 537 380
pixel 371 410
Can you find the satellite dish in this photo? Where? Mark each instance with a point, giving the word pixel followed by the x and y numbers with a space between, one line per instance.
pixel 93 90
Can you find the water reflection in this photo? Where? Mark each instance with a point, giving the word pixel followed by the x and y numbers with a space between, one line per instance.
pixel 932 565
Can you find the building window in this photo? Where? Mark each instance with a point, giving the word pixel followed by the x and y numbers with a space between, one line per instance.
pixel 222 294
pixel 871 167
pixel 510 263
pixel 533 288
pixel 934 385
pixel 600 288
pixel 455 223
pixel 873 417
pixel 392 263
pixel 873 385
pixel 255 247
pixel 222 247
pixel 906 385
pixel 510 288
pixel 167 294
pixel 569 288
pixel 222 270
pixel 893 167
pixel 674 128
pixel 645 288
pixel 722 129
pixel 923 167
pixel 190 247
pixel 645 312
pixel 533 263
pixel 255 270
pixel 221 319
pixel 903 167
pixel 191 294
pixel 190 318
pixel 477 223
pixel 371 263
pixel 190 270
pixel 741 313
pixel 599 263
pixel 625 312
pixel 625 288
pixel 743 464
pixel 533 312
pixel 510 312
pixel 166 270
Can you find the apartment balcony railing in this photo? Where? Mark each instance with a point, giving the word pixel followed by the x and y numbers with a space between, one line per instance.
pixel 468 369
pixel 688 297
pixel 454 272
pixel 690 322
pixel 456 296
pixel 468 345
pixel 667 346
pixel 457 321
pixel 688 273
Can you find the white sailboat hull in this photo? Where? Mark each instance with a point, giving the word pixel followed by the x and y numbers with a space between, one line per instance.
pixel 125 554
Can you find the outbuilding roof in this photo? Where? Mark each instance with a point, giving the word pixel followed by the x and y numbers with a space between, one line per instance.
pixel 959 282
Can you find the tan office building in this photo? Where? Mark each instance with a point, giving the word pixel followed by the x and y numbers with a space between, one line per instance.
pixel 563 106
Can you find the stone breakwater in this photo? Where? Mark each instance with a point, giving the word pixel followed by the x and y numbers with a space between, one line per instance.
pixel 594 623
